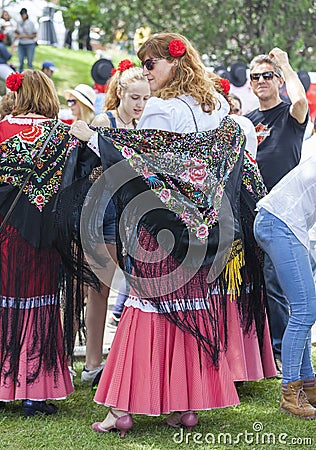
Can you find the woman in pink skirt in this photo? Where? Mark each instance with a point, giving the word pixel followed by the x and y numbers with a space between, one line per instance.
pixel 168 354
pixel 33 366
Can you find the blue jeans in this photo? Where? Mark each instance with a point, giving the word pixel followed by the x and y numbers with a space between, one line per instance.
pixel 121 298
pixel 293 269
pixel 278 306
pixel 26 51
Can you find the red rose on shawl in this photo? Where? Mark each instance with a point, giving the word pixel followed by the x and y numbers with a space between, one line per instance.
pixel 225 85
pixel 127 152
pixel 176 48
pixel 14 81
pixel 202 231
pixel 197 173
pixel 165 195
pixel 39 200
pixel 31 134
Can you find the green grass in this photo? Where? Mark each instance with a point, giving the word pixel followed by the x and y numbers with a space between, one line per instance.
pixel 71 429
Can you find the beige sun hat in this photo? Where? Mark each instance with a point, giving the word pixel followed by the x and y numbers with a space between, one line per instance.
pixel 83 93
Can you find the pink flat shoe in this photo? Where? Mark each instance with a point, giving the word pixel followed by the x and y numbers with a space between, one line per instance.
pixel 122 424
pixel 188 419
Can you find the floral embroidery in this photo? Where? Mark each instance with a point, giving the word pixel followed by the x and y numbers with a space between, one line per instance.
pixel 251 177
pixel 17 155
pixel 188 172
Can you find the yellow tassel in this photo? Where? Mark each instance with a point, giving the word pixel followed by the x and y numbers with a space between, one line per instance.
pixel 233 276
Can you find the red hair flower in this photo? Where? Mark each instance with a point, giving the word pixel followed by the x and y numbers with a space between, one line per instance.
pixel 176 48
pixel 225 85
pixel 124 65
pixel 14 81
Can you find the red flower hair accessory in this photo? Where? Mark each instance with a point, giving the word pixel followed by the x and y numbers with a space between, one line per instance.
pixel 176 48
pixel 14 81
pixel 125 64
pixel 225 85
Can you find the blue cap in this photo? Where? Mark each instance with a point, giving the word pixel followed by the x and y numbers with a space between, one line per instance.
pixel 49 65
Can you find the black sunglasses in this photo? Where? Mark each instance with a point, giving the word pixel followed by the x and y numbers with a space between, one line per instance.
pixel 71 102
pixel 265 75
pixel 150 63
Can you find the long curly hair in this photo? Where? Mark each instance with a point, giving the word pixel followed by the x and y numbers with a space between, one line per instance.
pixel 190 77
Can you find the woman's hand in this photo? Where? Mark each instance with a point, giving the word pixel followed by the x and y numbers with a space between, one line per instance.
pixel 80 130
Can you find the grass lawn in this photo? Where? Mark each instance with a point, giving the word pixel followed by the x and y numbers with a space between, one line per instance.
pixel 256 424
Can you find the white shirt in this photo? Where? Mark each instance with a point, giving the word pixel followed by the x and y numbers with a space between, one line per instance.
pixel 248 127
pixel 174 115
pixel 293 199
pixel 308 147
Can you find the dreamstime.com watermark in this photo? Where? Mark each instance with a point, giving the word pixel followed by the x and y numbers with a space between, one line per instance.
pixel 255 437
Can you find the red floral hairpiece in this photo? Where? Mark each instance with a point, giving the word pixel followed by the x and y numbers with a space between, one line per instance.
pixel 123 65
pixel 176 48
pixel 14 81
pixel 225 85
pixel 2 36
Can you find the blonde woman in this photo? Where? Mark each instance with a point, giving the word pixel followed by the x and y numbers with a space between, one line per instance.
pixel 126 97
pixel 81 101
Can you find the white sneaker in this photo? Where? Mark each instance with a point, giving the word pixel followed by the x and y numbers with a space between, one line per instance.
pixel 87 376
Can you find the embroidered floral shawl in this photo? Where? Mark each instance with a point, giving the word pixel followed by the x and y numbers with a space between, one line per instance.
pixel 189 184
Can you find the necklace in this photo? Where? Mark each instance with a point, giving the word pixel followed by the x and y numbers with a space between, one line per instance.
pixel 120 118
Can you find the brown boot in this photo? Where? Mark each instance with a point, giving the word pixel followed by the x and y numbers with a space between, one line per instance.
pixel 309 387
pixel 294 401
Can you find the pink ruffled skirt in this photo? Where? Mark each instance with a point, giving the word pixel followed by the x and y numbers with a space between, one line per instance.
pixel 155 368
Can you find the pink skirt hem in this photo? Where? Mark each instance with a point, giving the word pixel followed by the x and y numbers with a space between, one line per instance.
pixel 155 368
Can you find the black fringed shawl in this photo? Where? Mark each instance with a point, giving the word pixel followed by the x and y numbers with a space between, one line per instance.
pixel 32 275
pixel 195 195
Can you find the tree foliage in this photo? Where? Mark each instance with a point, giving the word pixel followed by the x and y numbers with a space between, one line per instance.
pixel 224 31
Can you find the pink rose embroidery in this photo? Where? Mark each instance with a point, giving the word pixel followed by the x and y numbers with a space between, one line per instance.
pixel 197 173
pixel 202 231
pixel 185 176
pixel 127 152
pixel 165 195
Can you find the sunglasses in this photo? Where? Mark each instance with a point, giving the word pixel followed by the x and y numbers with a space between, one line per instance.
pixel 150 63
pixel 71 102
pixel 265 75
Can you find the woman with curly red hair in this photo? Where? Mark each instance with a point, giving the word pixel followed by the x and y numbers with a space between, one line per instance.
pixel 168 354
